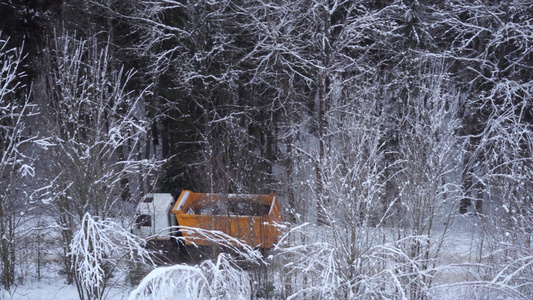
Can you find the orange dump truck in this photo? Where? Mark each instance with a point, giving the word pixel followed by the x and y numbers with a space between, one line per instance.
pixel 200 218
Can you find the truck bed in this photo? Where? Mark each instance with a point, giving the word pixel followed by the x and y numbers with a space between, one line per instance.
pixel 249 218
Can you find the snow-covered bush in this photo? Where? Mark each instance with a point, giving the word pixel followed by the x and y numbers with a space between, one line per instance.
pixel 220 279
pixel 98 126
pixel 96 250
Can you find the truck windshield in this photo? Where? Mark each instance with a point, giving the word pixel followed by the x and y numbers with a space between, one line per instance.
pixel 143 220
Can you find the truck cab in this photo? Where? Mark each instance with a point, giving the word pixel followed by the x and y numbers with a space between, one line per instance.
pixel 153 219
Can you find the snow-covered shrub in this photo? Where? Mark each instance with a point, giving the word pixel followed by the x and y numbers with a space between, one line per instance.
pixel 220 279
pixel 310 271
pixel 98 126
pixel 96 250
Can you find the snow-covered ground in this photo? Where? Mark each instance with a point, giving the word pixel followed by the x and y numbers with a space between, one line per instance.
pixel 458 271
pixel 52 286
pixel 57 290
pixel 45 290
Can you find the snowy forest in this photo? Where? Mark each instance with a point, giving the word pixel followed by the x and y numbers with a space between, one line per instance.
pixel 397 134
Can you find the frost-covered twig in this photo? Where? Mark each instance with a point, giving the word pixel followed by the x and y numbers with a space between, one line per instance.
pixel 222 239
